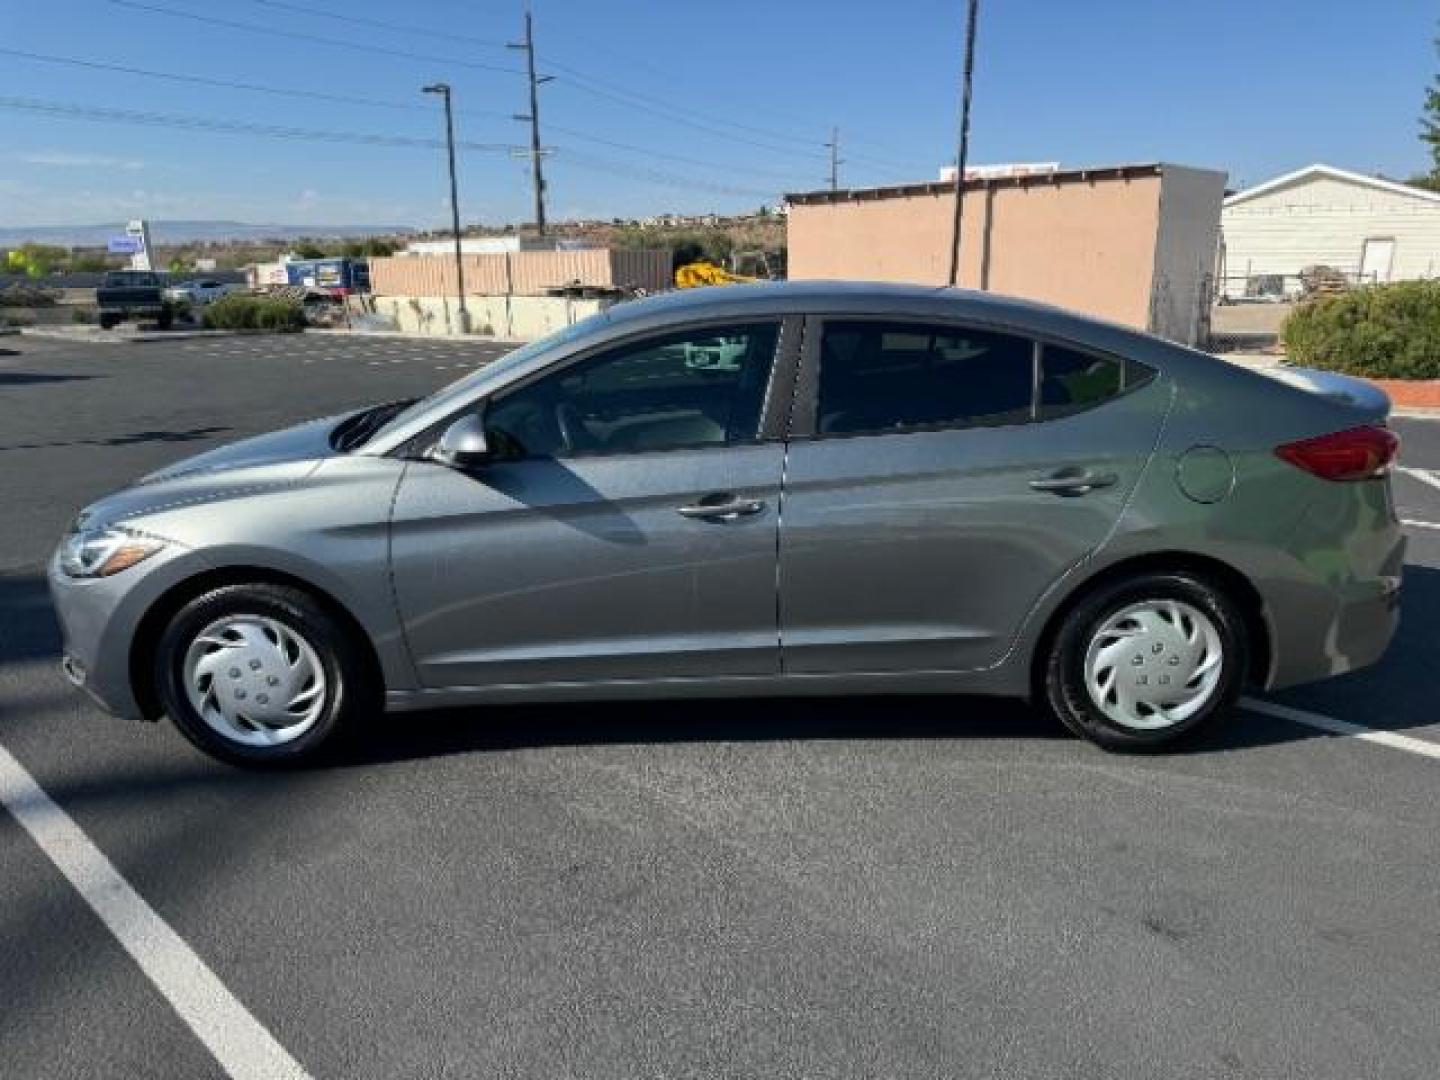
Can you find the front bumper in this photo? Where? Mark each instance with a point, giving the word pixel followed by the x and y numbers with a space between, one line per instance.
pixel 99 618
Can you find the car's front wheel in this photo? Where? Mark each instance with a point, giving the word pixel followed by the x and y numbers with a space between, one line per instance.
pixel 1142 663
pixel 260 674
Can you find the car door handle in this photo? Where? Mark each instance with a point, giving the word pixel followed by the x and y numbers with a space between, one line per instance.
pixel 1073 482
pixel 721 508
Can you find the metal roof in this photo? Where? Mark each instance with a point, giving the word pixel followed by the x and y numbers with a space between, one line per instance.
pixel 978 183
pixel 1330 171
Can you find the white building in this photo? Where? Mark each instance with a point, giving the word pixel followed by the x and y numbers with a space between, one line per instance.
pixel 1369 229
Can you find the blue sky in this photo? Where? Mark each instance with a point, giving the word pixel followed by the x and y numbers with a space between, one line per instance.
pixel 745 91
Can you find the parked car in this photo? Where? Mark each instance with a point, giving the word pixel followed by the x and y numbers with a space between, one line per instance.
pixel 886 490
pixel 133 294
pixel 201 292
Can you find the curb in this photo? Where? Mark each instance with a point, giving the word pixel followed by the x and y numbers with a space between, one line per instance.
pixel 1417 394
pixel 401 335
pixel 122 337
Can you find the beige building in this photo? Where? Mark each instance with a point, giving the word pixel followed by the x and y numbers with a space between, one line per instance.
pixel 1132 243
pixel 507 292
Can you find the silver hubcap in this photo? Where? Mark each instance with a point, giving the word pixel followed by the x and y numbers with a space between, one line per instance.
pixel 1154 664
pixel 255 680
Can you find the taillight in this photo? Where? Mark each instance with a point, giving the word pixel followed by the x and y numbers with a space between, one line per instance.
pixel 1359 453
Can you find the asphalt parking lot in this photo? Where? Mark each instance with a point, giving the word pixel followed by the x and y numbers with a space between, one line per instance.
pixel 882 887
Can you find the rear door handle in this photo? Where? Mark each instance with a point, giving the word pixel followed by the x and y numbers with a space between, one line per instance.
pixel 721 508
pixel 1073 482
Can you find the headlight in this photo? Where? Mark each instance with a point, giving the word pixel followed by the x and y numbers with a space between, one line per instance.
pixel 102 552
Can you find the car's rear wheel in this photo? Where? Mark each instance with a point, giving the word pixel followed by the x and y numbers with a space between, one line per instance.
pixel 1141 663
pixel 260 674
pixel 108 322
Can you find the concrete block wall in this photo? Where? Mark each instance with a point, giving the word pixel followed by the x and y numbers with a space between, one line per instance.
pixel 512 318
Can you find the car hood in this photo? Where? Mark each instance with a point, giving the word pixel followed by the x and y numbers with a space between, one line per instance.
pixel 279 459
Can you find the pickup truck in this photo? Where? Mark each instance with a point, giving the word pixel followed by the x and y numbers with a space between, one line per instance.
pixel 133 294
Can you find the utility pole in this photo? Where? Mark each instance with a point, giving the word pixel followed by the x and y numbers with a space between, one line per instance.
pixel 537 174
pixel 834 147
pixel 964 149
pixel 463 315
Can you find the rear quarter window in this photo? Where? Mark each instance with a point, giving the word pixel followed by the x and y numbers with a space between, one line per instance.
pixel 1073 380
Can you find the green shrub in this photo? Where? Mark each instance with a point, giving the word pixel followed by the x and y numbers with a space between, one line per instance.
pixel 1383 331
pixel 84 315
pixel 254 313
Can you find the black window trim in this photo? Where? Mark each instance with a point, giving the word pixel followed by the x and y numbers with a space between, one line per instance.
pixel 775 409
pixel 807 381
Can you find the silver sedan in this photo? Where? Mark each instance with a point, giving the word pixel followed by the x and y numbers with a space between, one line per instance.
pixel 783 489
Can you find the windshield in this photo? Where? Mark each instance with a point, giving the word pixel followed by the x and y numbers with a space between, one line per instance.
pixel 458 390
pixel 131 278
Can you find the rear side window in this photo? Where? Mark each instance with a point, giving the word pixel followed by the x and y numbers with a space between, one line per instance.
pixel 877 377
pixel 1072 381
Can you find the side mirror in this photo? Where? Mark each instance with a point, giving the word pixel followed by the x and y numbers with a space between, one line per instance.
pixel 463 444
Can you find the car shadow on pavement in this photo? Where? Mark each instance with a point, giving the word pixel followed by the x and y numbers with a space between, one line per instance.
pixel 132 438
pixel 29 378
pixel 28 630
pixel 1396 694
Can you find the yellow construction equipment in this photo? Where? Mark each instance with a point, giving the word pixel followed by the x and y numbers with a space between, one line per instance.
pixel 695 274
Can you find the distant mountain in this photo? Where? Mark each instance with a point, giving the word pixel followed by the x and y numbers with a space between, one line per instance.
pixel 189 232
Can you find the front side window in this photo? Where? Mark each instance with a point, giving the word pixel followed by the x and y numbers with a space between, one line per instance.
pixel 703 387
pixel 877 377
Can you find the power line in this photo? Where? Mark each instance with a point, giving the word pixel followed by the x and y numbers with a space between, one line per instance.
pixel 656 176
pixel 232 127
pixel 672 78
pixel 662 155
pixel 665 114
pixel 204 80
pixel 676 116
pixel 777 136
pixel 314 38
pixel 576 78
pixel 595 85
pixel 379 103
pixel 377 24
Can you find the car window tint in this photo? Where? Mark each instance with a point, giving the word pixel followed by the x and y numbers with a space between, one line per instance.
pixel 1072 381
pixel 700 388
pixel 884 377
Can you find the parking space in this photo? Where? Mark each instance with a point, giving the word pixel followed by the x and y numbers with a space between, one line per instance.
pixel 906 887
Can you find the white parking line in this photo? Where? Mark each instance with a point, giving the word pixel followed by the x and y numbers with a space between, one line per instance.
pixel 1342 727
pixel 1425 476
pixel 238 1041
pixel 1412 523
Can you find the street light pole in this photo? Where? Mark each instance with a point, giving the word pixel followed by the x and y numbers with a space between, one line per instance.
pixel 964 148
pixel 463 315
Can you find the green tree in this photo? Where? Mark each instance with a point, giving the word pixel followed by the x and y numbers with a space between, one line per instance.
pixel 38 260
pixel 308 249
pixel 1430 133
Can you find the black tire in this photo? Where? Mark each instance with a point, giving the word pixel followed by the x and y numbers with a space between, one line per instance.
pixel 108 322
pixel 351 686
pixel 1064 687
pixel 166 319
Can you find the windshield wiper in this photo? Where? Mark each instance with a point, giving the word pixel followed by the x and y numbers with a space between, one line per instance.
pixel 358 430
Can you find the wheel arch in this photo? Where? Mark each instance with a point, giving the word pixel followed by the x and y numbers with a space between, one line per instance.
pixel 1218 573
pixel 152 624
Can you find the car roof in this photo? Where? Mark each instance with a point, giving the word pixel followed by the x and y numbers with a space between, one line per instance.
pixel 817 295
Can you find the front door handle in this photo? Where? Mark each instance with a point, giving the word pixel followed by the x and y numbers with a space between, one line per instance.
pixel 724 507
pixel 1073 482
